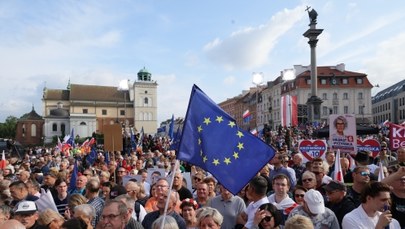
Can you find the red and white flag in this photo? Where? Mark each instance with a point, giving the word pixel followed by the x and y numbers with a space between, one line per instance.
pixel 3 163
pixel 59 145
pixel 352 163
pixel 338 175
pixel 289 115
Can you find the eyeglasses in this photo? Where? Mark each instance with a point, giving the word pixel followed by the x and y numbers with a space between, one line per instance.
pixel 109 217
pixel 364 174
pixel 299 195
pixel 267 218
pixel 197 179
pixel 307 180
pixel 161 186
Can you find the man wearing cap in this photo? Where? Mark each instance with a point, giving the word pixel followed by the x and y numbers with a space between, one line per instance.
pixel 314 208
pixel 26 212
pixel 338 201
pixel 373 212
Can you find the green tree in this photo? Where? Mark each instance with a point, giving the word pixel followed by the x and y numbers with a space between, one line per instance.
pixel 8 128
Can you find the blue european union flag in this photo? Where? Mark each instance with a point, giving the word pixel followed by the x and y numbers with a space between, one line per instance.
pixel 71 140
pixel 73 178
pixel 212 141
pixel 91 158
pixel 171 129
pixel 175 142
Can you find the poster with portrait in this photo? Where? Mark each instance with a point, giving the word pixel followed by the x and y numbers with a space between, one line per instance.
pixel 154 174
pixel 342 133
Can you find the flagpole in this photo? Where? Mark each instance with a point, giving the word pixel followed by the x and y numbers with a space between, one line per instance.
pixel 176 166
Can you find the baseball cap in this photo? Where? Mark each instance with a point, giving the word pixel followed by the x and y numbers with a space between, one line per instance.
pixel 25 207
pixel 314 201
pixel 335 185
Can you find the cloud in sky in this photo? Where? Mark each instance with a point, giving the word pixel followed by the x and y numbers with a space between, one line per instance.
pixel 209 44
pixel 249 48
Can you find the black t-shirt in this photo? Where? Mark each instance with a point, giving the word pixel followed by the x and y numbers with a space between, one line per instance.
pixel 398 209
pixel 184 193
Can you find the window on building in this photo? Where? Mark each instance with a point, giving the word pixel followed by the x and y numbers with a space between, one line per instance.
pixel 85 111
pixel 122 112
pixel 324 110
pixel 360 95
pixel 359 81
pixel 323 81
pixel 345 95
pixel 345 81
pixel 104 112
pixel 82 123
pixel 23 128
pixel 346 109
pixel 335 95
pixel 145 101
pixel 335 110
pixel 361 109
pixel 324 96
pixel 33 130
pixel 54 127
pixel 62 128
pixel 309 81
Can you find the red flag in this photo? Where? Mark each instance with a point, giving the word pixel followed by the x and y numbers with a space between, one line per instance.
pixel 3 163
pixel 338 168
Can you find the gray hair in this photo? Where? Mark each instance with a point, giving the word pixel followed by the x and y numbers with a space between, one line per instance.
pixel 87 210
pixel 205 212
pixel 129 202
pixel 169 223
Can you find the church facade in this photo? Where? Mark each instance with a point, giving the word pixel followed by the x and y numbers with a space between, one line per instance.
pixel 88 108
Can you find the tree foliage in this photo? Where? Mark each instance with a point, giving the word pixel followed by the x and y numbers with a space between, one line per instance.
pixel 8 128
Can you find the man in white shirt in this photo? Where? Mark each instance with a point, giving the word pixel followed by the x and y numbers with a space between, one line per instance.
pixel 372 213
pixel 256 193
pixel 280 197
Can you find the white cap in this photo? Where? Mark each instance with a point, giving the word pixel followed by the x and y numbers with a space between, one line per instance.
pixel 26 207
pixel 314 201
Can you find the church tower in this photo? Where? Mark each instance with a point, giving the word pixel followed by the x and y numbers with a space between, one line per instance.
pixel 145 102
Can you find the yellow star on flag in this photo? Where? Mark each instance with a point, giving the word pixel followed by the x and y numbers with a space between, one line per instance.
pixel 199 128
pixel 219 119
pixel 207 121
pixel 235 155
pixel 240 134
pixel 205 159
pixel 227 160
pixel 215 162
pixel 240 146
pixel 231 124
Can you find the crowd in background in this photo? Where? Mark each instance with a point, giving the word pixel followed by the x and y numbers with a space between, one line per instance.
pixel 286 193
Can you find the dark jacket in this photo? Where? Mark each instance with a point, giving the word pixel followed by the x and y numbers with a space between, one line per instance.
pixel 342 208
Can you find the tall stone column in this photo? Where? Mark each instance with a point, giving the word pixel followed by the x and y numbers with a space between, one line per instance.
pixel 314 102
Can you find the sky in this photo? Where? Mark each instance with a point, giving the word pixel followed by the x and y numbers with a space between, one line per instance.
pixel 217 45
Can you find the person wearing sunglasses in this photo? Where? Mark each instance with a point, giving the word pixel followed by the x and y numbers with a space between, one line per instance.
pixel 308 180
pixel 361 177
pixel 298 194
pixel 314 208
pixel 267 217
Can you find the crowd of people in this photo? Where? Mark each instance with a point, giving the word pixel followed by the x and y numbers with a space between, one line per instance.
pixel 286 193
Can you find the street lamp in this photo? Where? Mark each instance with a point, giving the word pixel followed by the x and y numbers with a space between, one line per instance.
pixel 288 75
